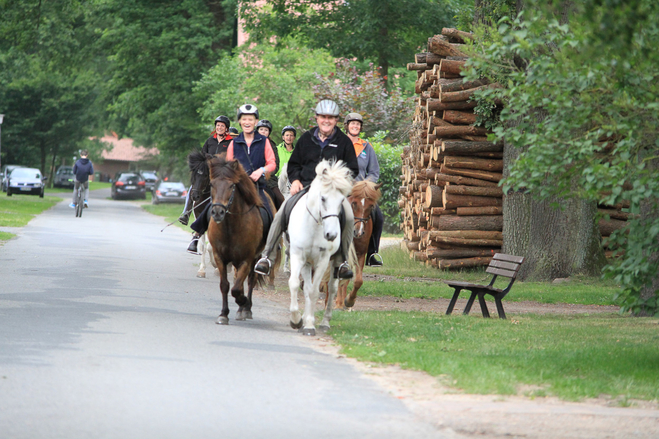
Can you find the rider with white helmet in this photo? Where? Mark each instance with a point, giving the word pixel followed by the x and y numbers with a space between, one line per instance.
pixel 323 142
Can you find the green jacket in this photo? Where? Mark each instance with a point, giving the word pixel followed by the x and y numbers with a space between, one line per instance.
pixel 284 156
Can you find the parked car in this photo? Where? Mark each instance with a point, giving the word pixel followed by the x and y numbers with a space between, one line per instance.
pixel 4 175
pixel 27 181
pixel 64 177
pixel 151 179
pixel 169 192
pixel 128 184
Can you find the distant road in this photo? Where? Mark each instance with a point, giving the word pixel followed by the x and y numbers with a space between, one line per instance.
pixel 105 332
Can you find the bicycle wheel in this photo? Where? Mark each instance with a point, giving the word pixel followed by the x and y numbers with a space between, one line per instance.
pixel 80 202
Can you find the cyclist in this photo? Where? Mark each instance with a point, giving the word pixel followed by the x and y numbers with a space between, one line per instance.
pixel 325 141
pixel 369 169
pixel 217 143
pixel 82 169
pixel 255 154
pixel 264 127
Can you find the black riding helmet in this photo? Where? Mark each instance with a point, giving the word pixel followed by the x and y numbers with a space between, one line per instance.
pixel 288 128
pixel 225 120
pixel 264 123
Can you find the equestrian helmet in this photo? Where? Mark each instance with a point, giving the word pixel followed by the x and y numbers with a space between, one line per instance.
pixel 225 120
pixel 327 107
pixel 288 128
pixel 233 130
pixel 353 117
pixel 248 109
pixel 264 123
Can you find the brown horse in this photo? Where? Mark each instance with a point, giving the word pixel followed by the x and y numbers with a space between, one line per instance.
pixel 235 232
pixel 363 198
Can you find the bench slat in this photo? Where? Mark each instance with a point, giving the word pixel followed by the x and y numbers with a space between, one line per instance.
pixel 508 258
pixel 506 265
pixel 501 272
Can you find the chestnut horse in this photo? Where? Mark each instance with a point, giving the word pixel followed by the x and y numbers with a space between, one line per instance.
pixel 235 232
pixel 363 198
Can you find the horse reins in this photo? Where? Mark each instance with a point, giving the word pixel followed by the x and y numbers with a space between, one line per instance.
pixel 228 205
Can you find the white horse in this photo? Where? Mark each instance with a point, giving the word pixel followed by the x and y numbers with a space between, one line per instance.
pixel 285 189
pixel 314 230
pixel 204 248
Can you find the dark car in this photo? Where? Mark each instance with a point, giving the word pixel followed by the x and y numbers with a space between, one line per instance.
pixel 64 177
pixel 6 170
pixel 27 181
pixel 151 179
pixel 169 192
pixel 128 184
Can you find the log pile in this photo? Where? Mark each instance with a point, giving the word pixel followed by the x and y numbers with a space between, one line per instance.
pixel 451 205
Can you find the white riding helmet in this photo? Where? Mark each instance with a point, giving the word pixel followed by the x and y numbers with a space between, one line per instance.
pixel 248 109
pixel 327 107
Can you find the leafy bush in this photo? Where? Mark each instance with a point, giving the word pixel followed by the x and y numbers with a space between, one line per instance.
pixel 390 169
pixel 366 94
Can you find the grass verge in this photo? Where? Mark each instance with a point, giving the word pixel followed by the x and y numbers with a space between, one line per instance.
pixel 18 210
pixel 171 212
pixel 571 357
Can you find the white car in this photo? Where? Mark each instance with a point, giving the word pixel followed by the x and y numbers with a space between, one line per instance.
pixel 27 181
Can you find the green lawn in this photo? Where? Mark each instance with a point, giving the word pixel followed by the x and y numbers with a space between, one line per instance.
pixel 18 210
pixel 571 357
pixel 578 290
pixel 93 185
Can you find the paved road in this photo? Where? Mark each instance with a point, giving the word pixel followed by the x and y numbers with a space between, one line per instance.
pixel 105 332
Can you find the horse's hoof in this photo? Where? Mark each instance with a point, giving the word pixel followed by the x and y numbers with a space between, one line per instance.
pixel 297 325
pixel 222 320
pixel 240 315
pixel 203 275
pixel 348 304
pixel 324 328
pixel 308 331
pixel 248 315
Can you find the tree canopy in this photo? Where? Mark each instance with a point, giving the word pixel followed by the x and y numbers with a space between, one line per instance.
pixel 384 31
pixel 593 78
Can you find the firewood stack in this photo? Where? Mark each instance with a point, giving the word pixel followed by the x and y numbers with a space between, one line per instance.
pixel 451 205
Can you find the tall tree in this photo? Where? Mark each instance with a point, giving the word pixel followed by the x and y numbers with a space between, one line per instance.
pixel 157 50
pixel 596 139
pixel 47 81
pixel 385 31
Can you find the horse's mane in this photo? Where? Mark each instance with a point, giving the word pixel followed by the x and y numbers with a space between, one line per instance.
pixel 331 175
pixel 366 189
pixel 197 162
pixel 233 171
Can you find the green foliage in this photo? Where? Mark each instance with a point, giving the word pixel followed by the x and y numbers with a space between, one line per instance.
pixel 279 81
pixel 390 169
pixel 366 93
pixel 156 51
pixel 611 355
pixel 591 85
pixel 385 31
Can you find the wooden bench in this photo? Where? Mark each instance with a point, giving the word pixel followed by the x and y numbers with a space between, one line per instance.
pixel 501 265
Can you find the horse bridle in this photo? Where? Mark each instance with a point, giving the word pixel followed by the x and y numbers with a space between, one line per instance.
pixel 228 205
pixel 322 218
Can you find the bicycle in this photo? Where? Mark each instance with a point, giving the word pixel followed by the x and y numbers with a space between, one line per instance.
pixel 80 199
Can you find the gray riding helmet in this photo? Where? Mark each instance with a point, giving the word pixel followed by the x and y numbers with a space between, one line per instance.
pixel 327 107
pixel 353 117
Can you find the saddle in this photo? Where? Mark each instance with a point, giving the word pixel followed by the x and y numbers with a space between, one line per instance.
pixel 266 217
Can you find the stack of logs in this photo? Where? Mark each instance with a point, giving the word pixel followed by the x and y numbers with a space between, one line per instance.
pixel 450 201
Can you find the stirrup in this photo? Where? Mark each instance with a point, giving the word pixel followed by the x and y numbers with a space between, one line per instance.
pixel 263 271
pixel 375 262
pixel 347 275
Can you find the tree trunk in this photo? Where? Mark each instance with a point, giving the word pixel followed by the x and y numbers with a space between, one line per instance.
pixel 456 253
pixel 649 214
pixel 459 117
pixel 453 201
pixel 485 210
pixel 457 179
pixel 463 263
pixel 556 243
pixel 475 190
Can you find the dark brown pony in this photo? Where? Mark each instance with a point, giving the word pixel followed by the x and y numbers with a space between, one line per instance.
pixel 363 198
pixel 235 232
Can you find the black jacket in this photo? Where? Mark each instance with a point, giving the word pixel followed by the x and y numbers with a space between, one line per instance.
pixel 82 169
pixel 213 147
pixel 308 153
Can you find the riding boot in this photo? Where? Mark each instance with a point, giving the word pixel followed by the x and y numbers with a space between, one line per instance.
pixel 185 216
pixel 192 248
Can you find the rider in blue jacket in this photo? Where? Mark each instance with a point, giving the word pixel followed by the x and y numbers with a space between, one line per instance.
pixel 82 169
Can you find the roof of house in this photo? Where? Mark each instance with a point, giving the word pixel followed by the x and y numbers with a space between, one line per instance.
pixel 124 150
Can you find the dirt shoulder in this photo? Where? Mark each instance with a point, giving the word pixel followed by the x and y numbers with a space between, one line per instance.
pixel 459 415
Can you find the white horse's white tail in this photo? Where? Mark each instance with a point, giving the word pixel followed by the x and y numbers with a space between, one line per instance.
pixel 284 184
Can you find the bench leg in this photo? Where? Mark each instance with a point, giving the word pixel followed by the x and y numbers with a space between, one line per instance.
pixel 502 313
pixel 454 299
pixel 481 300
pixel 469 303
